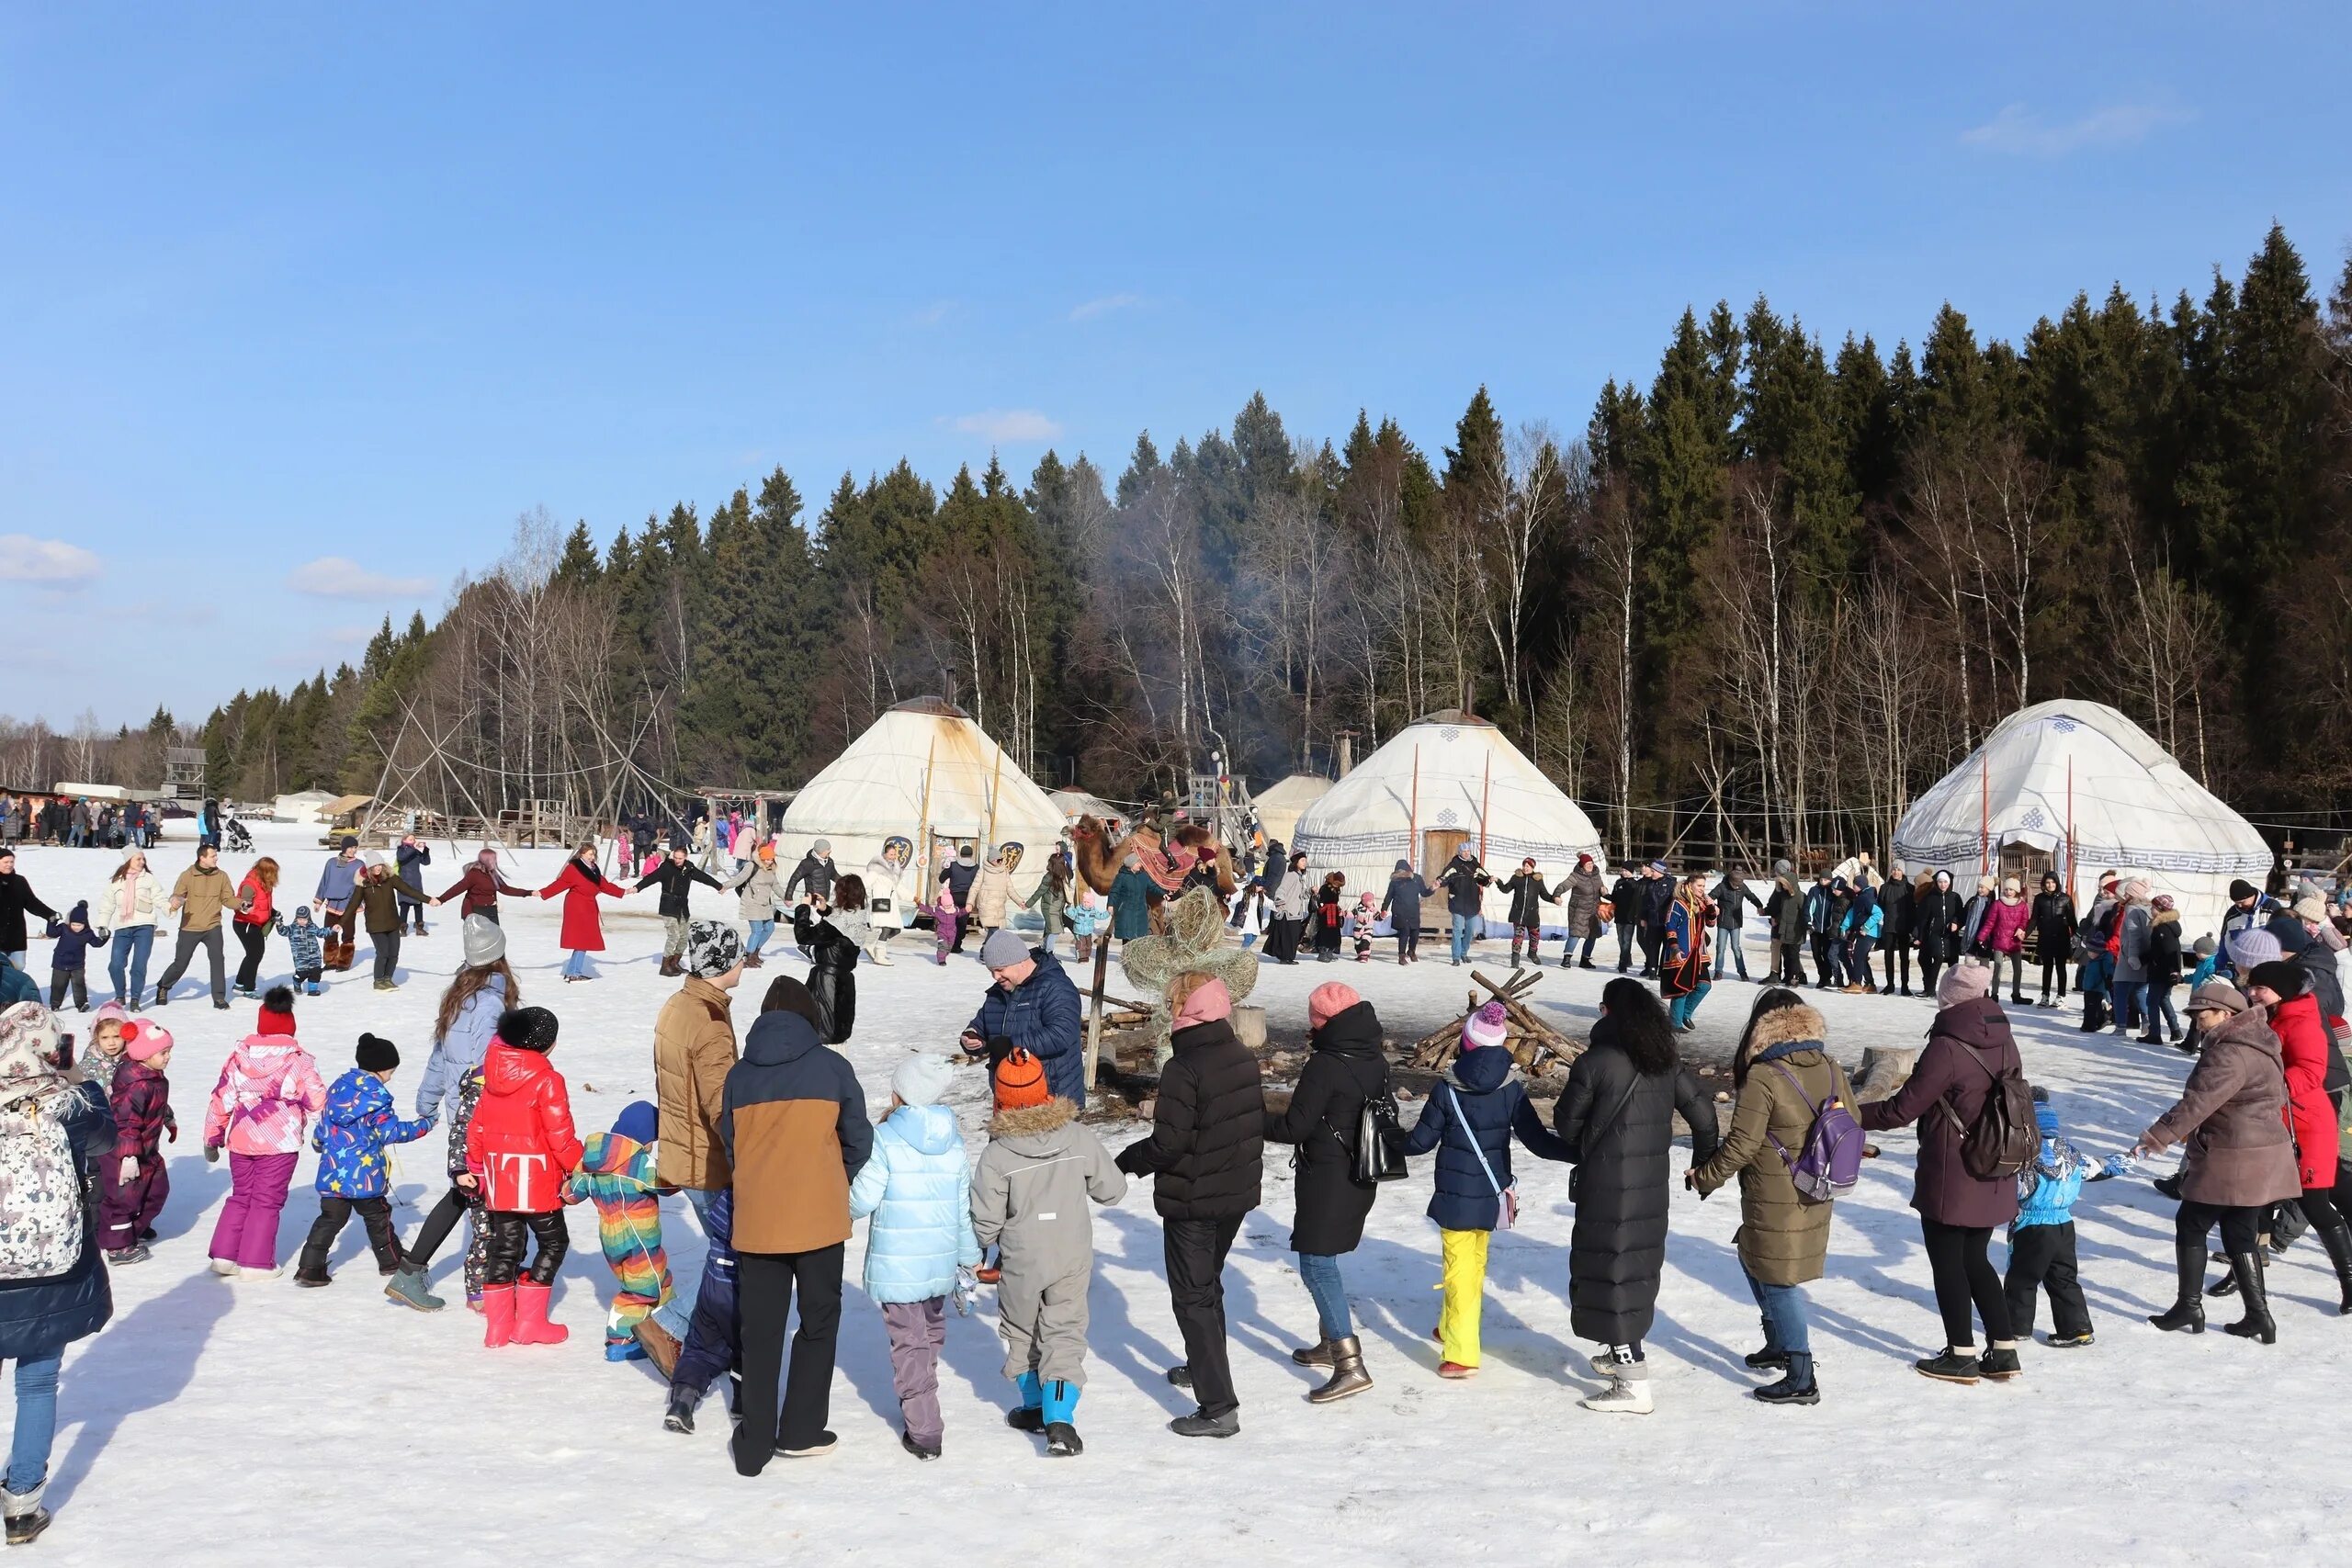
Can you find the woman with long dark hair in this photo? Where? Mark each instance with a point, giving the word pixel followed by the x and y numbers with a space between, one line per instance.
pixel 1617 1118
pixel 1784 1075
pixel 832 939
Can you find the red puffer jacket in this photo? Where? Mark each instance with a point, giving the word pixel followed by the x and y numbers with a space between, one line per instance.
pixel 520 1145
pixel 2303 1045
pixel 2005 925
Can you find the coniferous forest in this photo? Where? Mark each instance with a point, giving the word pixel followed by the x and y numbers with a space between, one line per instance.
pixel 1763 595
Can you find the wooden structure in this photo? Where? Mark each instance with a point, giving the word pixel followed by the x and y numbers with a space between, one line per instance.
pixel 1534 1045
pixel 183 772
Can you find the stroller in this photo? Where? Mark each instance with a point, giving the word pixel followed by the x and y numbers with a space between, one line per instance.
pixel 233 836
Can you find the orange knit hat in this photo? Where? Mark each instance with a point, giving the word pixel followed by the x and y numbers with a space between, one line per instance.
pixel 1020 1082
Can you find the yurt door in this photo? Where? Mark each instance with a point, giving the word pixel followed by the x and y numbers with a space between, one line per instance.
pixel 1438 845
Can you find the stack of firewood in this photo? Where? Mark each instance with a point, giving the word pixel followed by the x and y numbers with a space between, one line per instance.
pixel 1536 1045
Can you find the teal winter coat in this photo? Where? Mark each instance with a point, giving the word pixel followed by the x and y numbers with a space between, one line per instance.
pixel 918 1190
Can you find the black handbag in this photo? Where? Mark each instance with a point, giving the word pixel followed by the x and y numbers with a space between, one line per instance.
pixel 1379 1154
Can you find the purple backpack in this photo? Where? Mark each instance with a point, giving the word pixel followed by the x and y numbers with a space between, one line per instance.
pixel 1832 1160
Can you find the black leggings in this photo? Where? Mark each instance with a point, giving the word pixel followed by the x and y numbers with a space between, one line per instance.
pixel 1964 1276
pixel 255 939
pixel 2050 966
pixel 2240 1227
pixel 1897 959
pixel 504 1252
pixel 1929 967
pixel 2318 1204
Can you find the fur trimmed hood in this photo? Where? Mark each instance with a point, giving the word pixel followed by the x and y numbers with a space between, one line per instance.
pixel 1032 1120
pixel 1786 1026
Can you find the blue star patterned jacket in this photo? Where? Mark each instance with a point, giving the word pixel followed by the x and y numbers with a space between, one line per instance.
pixel 352 1134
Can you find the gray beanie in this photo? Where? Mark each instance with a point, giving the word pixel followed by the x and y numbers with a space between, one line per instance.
pixel 822 846
pixel 485 942
pixel 712 949
pixel 922 1079
pixel 1003 949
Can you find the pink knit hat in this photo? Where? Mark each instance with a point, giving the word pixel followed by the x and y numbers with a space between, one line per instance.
pixel 143 1041
pixel 1328 1001
pixel 1490 1025
pixel 1965 982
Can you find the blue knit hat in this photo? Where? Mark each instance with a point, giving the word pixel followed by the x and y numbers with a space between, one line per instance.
pixel 2045 1115
pixel 637 1122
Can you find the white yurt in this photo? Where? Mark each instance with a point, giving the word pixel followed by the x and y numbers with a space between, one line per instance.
pixel 1442 782
pixel 1074 804
pixel 1280 805
pixel 2078 788
pixel 876 790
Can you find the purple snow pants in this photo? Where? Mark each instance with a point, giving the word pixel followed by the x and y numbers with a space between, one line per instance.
pixel 126 1208
pixel 917 1331
pixel 247 1233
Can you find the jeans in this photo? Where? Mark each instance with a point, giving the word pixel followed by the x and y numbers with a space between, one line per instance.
pixel 2160 1002
pixel 1825 960
pixel 2126 997
pixel 132 944
pixel 1857 959
pixel 760 930
pixel 1249 940
pixel 1462 932
pixel 579 966
pixel 388 954
pixel 1786 1326
pixel 1321 1273
pixel 1727 946
pixel 687 1283
pixel 35 1421
pixel 1625 929
pixel 1679 1011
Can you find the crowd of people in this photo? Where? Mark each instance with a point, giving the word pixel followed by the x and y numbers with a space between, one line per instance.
pixel 769 1143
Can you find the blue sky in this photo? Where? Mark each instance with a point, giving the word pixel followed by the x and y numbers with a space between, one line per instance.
pixel 300 307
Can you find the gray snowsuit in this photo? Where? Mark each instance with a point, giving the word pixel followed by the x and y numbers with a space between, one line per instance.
pixel 1029 1198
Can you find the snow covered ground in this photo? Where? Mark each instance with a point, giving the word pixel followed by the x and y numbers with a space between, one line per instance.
pixel 216 1421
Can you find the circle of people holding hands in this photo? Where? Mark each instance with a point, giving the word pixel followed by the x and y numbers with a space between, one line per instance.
pixel 771 1145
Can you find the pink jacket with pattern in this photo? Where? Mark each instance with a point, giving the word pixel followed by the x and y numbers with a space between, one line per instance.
pixel 268 1092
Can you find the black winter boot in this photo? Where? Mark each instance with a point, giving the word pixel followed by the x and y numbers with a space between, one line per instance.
pixel 2188 1314
pixel 2257 1323
pixel 2338 1239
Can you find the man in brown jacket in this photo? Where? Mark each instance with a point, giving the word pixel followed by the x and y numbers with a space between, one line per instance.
pixel 795 1129
pixel 694 1047
pixel 201 895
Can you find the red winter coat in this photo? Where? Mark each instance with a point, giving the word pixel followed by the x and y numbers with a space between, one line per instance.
pixel 2005 925
pixel 264 905
pixel 583 930
pixel 520 1145
pixel 2303 1044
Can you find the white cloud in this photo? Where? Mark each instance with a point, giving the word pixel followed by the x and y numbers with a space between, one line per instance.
pixel 930 315
pixel 1104 306
pixel 2018 131
pixel 1007 424
pixel 53 563
pixel 333 577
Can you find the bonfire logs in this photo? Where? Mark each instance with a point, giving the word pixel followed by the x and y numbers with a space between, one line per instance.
pixel 1534 1045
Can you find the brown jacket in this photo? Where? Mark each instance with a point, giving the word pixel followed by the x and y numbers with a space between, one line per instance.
pixel 694 1046
pixel 795 1125
pixel 209 893
pixel 2232 1117
pixel 1782 1240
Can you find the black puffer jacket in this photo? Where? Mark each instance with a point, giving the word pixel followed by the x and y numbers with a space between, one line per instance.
pixel 832 974
pixel 1895 913
pixel 1528 897
pixel 676 878
pixel 1933 914
pixel 1624 1180
pixel 1208 1134
pixel 1349 1067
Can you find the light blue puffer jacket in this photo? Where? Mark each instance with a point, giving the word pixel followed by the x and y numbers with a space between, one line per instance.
pixel 918 1188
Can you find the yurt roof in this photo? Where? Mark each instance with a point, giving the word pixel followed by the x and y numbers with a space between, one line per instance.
pixel 2082 769
pixel 1440 773
pixel 1297 792
pixel 1078 803
pixel 875 788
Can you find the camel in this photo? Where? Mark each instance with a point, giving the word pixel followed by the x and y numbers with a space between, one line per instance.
pixel 1099 860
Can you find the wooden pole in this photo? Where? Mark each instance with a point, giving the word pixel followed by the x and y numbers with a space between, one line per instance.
pixel 921 853
pixel 1094 1020
pixel 1413 815
pixel 996 788
pixel 1486 794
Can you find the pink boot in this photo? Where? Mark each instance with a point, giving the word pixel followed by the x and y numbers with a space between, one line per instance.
pixel 498 1313
pixel 531 1325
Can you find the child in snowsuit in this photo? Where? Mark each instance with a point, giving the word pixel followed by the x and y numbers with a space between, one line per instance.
pixel 134 1184
pixel 2208 958
pixel 919 1247
pixel 944 919
pixel 714 1339
pixel 1029 1199
pixel 519 1147
pixel 2041 1239
pixel 1367 915
pixel 1088 918
pixel 268 1092
pixel 1470 1118
pixel 302 944
pixel 354 1176
pixel 103 1057
pixel 616 1174
pixel 67 964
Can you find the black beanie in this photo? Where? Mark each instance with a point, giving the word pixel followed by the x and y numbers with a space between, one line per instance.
pixel 2286 979
pixel 378 1054
pixel 528 1029
pixel 2241 889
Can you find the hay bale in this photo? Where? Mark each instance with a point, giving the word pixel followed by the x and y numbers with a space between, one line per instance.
pixel 1885 1068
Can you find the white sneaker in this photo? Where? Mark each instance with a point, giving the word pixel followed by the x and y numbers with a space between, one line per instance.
pixel 1626 1394
pixel 1605 1365
pixel 223 1268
